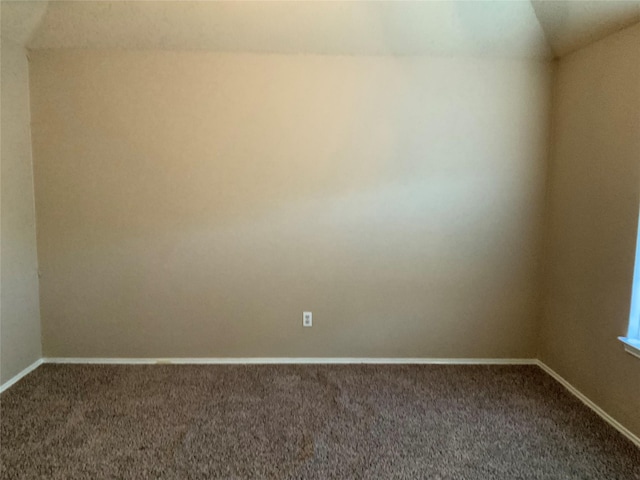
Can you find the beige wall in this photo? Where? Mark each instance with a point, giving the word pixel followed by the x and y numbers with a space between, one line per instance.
pixel 20 342
pixel 194 204
pixel 593 216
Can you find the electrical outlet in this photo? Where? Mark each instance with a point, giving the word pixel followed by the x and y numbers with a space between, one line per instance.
pixel 307 319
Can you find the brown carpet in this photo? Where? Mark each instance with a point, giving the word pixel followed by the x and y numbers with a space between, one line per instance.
pixel 304 422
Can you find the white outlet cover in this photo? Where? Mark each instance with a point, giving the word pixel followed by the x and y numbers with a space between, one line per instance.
pixel 307 319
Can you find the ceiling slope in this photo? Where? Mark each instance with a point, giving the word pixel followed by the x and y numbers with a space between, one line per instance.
pixel 19 20
pixel 570 25
pixel 515 28
pixel 491 28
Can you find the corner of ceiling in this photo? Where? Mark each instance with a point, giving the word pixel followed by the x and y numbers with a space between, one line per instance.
pixel 20 20
pixel 571 25
pixel 535 5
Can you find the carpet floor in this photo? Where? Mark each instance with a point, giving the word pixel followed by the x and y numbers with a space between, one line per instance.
pixel 304 422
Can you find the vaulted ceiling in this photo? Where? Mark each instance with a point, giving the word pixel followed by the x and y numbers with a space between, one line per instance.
pixel 514 29
pixel 570 25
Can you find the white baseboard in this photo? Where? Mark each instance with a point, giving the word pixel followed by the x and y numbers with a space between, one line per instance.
pixel 584 399
pixel 19 376
pixel 294 360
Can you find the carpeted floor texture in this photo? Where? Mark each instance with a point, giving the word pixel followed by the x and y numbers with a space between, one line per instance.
pixel 304 422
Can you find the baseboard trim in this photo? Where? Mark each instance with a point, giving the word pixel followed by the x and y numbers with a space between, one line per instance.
pixel 584 399
pixel 292 360
pixel 21 374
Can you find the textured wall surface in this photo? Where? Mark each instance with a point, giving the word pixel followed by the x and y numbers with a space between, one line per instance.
pixel 194 204
pixel 593 216
pixel 20 344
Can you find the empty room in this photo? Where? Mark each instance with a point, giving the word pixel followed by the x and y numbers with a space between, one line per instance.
pixel 320 240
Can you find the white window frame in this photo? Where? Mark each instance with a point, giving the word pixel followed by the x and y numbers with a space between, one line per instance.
pixel 632 340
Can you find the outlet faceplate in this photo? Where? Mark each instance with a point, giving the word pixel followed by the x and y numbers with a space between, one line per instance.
pixel 307 319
